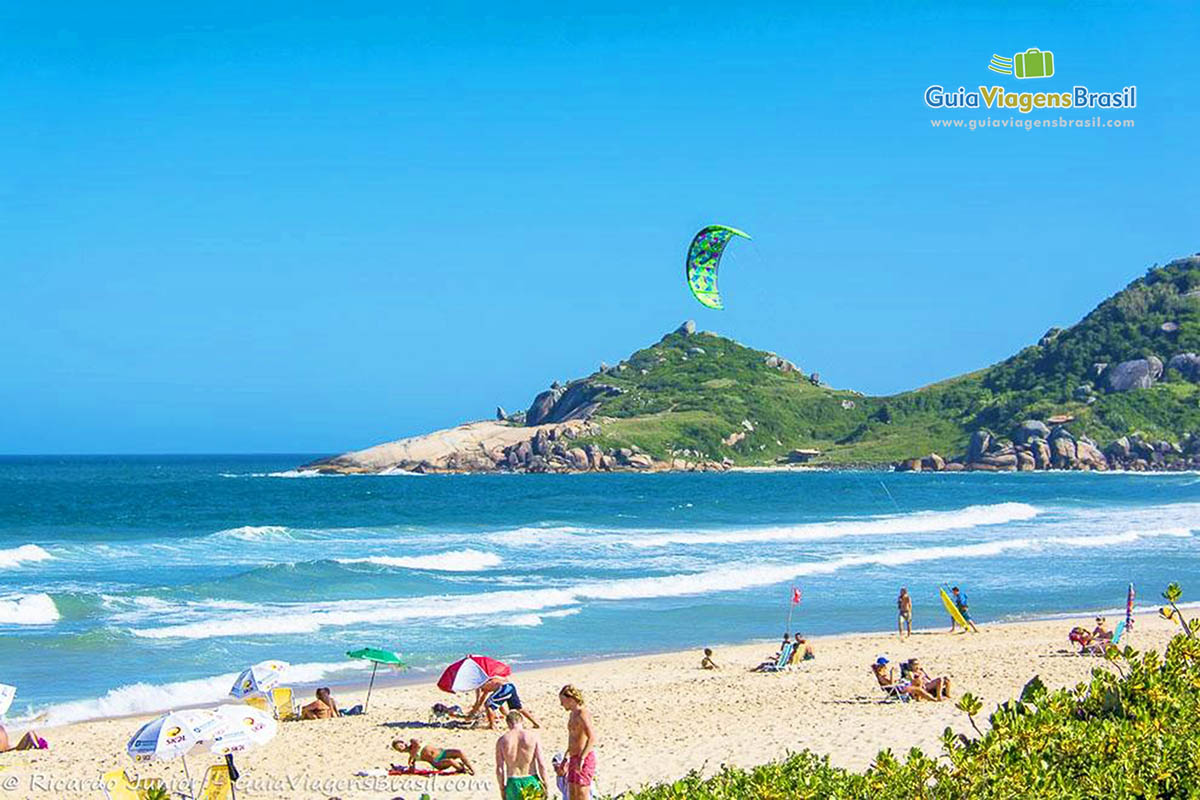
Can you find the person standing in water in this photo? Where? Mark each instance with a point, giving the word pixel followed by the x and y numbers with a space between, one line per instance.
pixel 581 743
pixel 904 606
pixel 519 761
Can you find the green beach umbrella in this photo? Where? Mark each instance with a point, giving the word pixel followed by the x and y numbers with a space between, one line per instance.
pixel 376 656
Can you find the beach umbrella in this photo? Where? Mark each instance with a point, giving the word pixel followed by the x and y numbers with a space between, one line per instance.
pixel 7 693
pixel 173 735
pixel 471 673
pixel 376 657
pixel 262 677
pixel 240 728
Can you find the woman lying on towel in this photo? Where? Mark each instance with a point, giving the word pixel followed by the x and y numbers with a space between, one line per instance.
pixel 449 760
pixel 30 741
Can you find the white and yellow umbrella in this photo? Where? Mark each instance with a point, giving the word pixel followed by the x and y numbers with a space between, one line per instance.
pixel 7 693
pixel 262 677
pixel 173 735
pixel 241 728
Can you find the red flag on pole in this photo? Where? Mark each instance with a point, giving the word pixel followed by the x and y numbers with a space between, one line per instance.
pixel 795 595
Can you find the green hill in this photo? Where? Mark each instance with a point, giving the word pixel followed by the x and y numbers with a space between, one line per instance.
pixel 697 394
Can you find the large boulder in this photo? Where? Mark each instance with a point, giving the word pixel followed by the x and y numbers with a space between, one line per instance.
pixel 1188 365
pixel 1025 462
pixel 640 461
pixel 1063 453
pixel 1140 373
pixel 981 442
pixel 539 411
pixel 687 328
pixel 1089 456
pixel 1040 450
pixel 1030 429
pixel 933 463
pixel 578 459
pixel 577 400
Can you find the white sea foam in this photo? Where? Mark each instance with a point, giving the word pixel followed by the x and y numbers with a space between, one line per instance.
pixel 28 609
pixel 292 473
pixel 255 533
pixel 25 554
pixel 522 605
pixel 452 561
pixel 917 522
pixel 524 537
pixel 913 523
pixel 145 698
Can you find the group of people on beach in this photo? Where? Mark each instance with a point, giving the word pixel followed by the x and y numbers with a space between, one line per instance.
pixel 904 609
pixel 520 761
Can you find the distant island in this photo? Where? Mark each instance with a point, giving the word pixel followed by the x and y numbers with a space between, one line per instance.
pixel 1120 389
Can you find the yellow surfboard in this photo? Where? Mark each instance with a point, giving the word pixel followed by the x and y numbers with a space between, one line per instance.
pixel 952 609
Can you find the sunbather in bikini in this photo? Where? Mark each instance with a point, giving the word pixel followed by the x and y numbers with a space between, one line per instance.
pixel 441 760
pixel 938 687
pixel 30 741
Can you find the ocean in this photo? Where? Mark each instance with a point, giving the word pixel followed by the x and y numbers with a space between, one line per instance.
pixel 133 584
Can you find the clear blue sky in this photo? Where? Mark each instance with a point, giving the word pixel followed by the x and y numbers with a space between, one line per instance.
pixel 301 228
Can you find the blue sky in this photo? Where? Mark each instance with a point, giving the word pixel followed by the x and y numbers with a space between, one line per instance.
pixel 294 228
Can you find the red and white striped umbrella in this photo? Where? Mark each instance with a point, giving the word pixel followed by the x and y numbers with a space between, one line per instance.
pixel 471 673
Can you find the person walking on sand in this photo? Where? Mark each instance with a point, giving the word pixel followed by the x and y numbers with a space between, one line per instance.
pixel 904 605
pixel 519 761
pixel 581 743
pixel 960 602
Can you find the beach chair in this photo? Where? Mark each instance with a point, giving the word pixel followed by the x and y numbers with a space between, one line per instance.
pixel 895 694
pixel 117 785
pixel 284 700
pixel 259 702
pixel 216 785
pixel 785 655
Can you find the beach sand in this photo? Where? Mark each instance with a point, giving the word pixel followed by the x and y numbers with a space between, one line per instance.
pixel 657 716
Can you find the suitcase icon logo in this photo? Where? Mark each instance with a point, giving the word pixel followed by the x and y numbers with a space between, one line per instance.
pixel 1033 63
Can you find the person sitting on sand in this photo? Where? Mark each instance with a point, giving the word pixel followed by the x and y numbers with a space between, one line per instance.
pixel 30 741
pixel 441 760
pixel 707 662
pixel 887 680
pixel 519 762
pixel 803 650
pixel 324 707
pixel 1101 633
pixel 498 694
pixel 938 687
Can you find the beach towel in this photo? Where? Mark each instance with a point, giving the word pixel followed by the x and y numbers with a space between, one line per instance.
pixel 396 769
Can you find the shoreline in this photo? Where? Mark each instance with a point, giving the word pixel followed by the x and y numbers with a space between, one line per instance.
pixel 656 714
pixel 416 678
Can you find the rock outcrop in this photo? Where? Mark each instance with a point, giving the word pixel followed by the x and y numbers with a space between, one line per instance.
pixel 577 400
pixel 1060 450
pixel 1140 373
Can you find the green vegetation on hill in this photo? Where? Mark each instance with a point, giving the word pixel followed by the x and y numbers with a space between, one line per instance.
pixel 694 394
pixel 1128 732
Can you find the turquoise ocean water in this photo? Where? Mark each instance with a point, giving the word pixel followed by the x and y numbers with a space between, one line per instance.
pixel 137 583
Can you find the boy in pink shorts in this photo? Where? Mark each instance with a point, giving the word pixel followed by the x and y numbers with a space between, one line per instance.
pixel 581 741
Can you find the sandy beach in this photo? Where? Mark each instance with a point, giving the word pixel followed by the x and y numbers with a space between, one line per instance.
pixel 658 717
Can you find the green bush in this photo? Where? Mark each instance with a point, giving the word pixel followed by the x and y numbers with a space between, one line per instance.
pixel 1130 731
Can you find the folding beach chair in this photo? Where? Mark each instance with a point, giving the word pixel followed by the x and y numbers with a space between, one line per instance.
pixel 259 702
pixel 217 785
pixel 284 701
pixel 785 655
pixel 117 785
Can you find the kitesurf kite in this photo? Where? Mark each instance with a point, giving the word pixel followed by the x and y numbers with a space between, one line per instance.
pixel 703 258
